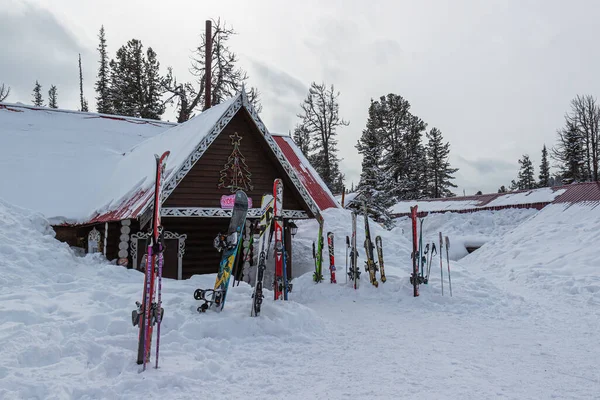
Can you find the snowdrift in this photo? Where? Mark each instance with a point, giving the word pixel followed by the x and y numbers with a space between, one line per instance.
pixel 65 325
pixel 65 329
pixel 556 250
pixel 466 229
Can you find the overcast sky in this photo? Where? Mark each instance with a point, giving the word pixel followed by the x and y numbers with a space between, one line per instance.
pixel 496 77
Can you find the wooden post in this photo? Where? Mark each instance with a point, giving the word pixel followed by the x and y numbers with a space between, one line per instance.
pixel 288 248
pixel 343 195
pixel 207 65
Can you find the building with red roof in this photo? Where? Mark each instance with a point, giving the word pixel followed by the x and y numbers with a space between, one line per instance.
pixel 92 176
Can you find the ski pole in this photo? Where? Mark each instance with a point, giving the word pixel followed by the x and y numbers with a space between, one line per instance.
pixel 442 262
pixel 448 260
pixel 347 247
pixel 433 252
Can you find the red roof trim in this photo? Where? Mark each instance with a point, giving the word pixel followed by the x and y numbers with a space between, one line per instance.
pixel 320 196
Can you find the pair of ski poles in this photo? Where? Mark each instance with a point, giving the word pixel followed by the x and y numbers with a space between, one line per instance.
pixel 442 261
pixel 433 249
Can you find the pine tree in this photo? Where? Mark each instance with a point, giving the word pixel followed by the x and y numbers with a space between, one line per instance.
pixel 411 183
pixel 513 186
pixel 53 97
pixel 526 176
pixel 404 156
pixel 126 79
pixel 502 189
pixel 103 102
pixel 320 118
pixel 152 107
pixel 570 154
pixel 135 83
pixel 83 102
pixel 301 137
pixel 375 186
pixel 37 95
pixel 544 169
pixel 440 172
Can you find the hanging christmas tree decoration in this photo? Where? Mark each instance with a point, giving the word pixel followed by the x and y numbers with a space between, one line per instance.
pixel 235 175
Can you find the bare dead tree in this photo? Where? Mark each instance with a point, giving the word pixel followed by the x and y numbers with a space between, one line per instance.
pixel 227 77
pixel 320 117
pixel 4 92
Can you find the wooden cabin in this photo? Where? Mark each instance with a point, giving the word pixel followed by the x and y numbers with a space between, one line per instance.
pixel 225 140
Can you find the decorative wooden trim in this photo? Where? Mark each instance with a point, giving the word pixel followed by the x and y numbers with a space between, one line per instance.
pixel 94 236
pixel 214 212
pixel 167 235
pixel 240 101
pixel 201 148
pixel 124 242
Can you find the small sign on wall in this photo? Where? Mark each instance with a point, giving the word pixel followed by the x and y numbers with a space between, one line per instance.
pixel 227 201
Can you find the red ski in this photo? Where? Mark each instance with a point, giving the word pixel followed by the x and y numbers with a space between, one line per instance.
pixel 414 279
pixel 278 229
pixel 148 312
pixel 331 256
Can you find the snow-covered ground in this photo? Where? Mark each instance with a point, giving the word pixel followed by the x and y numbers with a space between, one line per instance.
pixel 522 323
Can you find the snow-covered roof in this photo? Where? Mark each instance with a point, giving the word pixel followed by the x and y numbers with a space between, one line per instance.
pixel 79 168
pixel 55 160
pixel 308 176
pixel 486 201
pixel 130 187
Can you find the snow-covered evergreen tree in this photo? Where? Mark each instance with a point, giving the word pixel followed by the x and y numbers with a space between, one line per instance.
pixel 502 189
pixel 37 95
pixel 375 186
pixel 53 97
pixel 544 177
pixel 440 173
pixel 320 118
pixel 411 182
pixel 526 176
pixel 103 102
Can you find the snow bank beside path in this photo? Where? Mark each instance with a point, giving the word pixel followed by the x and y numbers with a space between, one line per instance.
pixel 466 230
pixel 556 250
pixel 66 332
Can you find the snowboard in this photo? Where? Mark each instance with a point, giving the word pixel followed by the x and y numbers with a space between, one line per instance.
pixel 229 245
